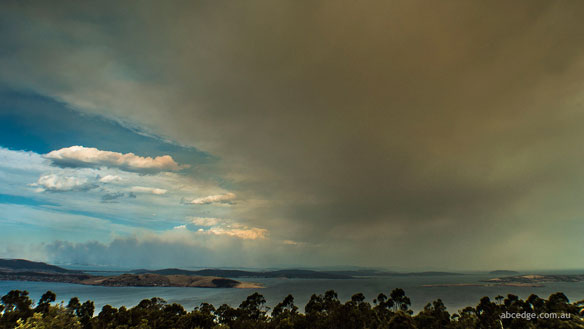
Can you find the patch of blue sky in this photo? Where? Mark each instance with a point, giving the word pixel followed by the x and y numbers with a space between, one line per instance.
pixel 37 123
pixel 153 224
pixel 93 214
pixel 40 224
pixel 23 200
pixel 13 212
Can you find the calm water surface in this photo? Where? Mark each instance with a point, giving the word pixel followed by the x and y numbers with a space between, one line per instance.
pixel 276 289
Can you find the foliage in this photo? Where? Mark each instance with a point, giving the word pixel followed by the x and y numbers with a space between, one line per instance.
pixel 54 317
pixel 324 311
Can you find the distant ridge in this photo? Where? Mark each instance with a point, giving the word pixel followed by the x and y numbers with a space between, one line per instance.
pixel 21 265
pixel 503 272
pixel 362 273
pixel 25 270
pixel 431 273
pixel 290 274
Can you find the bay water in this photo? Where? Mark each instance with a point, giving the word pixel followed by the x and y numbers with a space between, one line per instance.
pixel 276 289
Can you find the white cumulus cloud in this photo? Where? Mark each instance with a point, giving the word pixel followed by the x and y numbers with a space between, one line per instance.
pixel 226 227
pixel 59 183
pixel 205 221
pixel 251 233
pixel 219 198
pixel 152 190
pixel 80 156
pixel 110 179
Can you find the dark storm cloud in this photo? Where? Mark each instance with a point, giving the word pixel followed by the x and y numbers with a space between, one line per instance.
pixel 432 127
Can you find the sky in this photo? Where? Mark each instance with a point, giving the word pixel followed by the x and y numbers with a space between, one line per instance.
pixel 409 135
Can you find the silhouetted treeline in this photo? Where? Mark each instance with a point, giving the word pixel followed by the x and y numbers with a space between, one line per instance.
pixel 322 311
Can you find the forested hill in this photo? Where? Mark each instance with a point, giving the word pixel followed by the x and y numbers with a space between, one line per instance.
pixel 22 265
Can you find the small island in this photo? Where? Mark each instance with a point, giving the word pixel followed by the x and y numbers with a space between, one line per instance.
pixel 537 279
pixel 531 280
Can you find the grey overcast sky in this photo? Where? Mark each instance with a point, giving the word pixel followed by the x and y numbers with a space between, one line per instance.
pixel 403 134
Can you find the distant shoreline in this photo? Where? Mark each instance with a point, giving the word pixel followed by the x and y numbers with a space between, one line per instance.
pixel 130 280
pixel 509 284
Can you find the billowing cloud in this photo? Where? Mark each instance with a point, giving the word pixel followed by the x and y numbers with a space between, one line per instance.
pixel 59 183
pixel 226 198
pixel 228 227
pixel 132 197
pixel 80 156
pixel 205 221
pixel 151 190
pixel 240 232
pixel 110 179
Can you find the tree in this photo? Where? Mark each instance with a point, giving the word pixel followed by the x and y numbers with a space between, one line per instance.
pixel 45 301
pixel 56 317
pixel 17 300
pixel 356 313
pixel 86 313
pixel 285 307
pixel 74 306
pixel 400 300
pixel 488 314
pixel 433 316
pixel 321 312
pixel 331 301
pixel 201 317
pixel 154 303
pixel 466 318
pixel 536 304
pixel 170 315
pixel 16 305
pixel 383 308
pixel 253 307
pixel 557 302
pixel 401 320
pixel 107 316
pixel 226 314
pixel 285 314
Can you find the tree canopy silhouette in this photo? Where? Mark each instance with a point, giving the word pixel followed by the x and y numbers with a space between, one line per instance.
pixel 322 311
